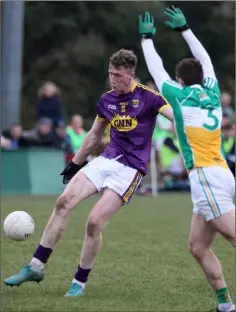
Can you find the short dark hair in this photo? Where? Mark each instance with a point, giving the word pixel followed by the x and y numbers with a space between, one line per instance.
pixel 190 71
pixel 125 58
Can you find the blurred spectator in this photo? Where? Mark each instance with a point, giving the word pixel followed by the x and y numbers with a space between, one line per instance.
pixel 61 140
pixel 15 136
pixel 49 104
pixel 162 129
pixel 171 158
pixel 76 132
pixel 42 135
pixel 226 100
pixel 5 143
pixel 228 143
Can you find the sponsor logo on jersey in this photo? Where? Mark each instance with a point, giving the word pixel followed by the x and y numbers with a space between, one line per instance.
pixel 112 106
pixel 124 123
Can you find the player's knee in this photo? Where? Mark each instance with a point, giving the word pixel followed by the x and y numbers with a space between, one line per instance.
pixel 93 227
pixel 197 250
pixel 63 205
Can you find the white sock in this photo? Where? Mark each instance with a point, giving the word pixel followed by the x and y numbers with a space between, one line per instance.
pixel 79 283
pixel 225 307
pixel 36 264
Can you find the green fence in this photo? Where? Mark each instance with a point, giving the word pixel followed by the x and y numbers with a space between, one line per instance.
pixel 32 171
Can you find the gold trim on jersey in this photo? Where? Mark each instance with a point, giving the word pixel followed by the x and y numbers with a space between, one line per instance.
pixel 163 107
pixel 206 147
pixel 100 118
pixel 154 92
pixel 134 85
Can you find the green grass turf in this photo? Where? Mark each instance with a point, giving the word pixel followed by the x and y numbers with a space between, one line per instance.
pixel 144 264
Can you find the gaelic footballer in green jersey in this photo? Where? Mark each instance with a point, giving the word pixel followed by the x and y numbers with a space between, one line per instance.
pixel 195 100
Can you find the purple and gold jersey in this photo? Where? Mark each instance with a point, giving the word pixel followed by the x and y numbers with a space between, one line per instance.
pixel 132 117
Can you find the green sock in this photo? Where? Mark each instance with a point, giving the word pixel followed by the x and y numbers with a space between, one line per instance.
pixel 223 295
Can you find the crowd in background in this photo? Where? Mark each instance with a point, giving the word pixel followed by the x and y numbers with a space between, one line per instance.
pixel 52 131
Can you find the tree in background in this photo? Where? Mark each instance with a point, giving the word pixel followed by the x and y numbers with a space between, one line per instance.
pixel 70 43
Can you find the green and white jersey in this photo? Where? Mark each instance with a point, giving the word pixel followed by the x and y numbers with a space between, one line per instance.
pixel 198 116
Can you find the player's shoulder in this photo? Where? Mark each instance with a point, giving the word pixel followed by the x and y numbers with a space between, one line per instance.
pixel 172 84
pixel 106 95
pixel 147 91
pixel 211 85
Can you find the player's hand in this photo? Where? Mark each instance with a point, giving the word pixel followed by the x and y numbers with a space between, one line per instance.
pixel 70 170
pixel 147 28
pixel 177 19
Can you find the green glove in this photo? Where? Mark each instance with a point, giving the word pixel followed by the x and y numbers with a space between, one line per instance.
pixel 147 28
pixel 177 19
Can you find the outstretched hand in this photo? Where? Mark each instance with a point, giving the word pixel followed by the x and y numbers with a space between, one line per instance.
pixel 147 28
pixel 177 20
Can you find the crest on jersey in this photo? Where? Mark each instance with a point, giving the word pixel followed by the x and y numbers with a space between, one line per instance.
pixel 203 96
pixel 124 123
pixel 135 103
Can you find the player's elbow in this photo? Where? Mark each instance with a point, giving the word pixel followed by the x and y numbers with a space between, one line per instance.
pixel 92 141
pixel 94 137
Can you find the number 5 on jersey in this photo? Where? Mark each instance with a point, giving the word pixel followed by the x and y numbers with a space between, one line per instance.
pixel 212 122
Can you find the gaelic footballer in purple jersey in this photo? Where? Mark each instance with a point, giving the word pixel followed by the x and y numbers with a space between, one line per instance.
pixel 132 117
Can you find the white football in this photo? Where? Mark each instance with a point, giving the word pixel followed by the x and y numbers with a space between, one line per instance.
pixel 19 225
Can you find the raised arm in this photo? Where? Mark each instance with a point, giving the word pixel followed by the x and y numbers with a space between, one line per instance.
pixel 178 23
pixel 199 53
pixel 154 63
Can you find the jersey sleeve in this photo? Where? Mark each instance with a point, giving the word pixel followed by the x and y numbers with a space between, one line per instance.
pixel 159 103
pixel 100 110
pixel 212 84
pixel 170 90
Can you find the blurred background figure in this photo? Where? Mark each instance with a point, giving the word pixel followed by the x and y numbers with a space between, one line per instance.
pixel 226 102
pixel 41 135
pixel 15 136
pixel 5 143
pixel 61 140
pixel 170 157
pixel 76 132
pixel 162 130
pixel 228 143
pixel 49 103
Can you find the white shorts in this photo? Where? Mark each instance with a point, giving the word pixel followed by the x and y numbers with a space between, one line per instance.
pixel 212 191
pixel 104 172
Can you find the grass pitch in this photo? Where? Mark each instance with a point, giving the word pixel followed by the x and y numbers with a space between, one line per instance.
pixel 144 264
